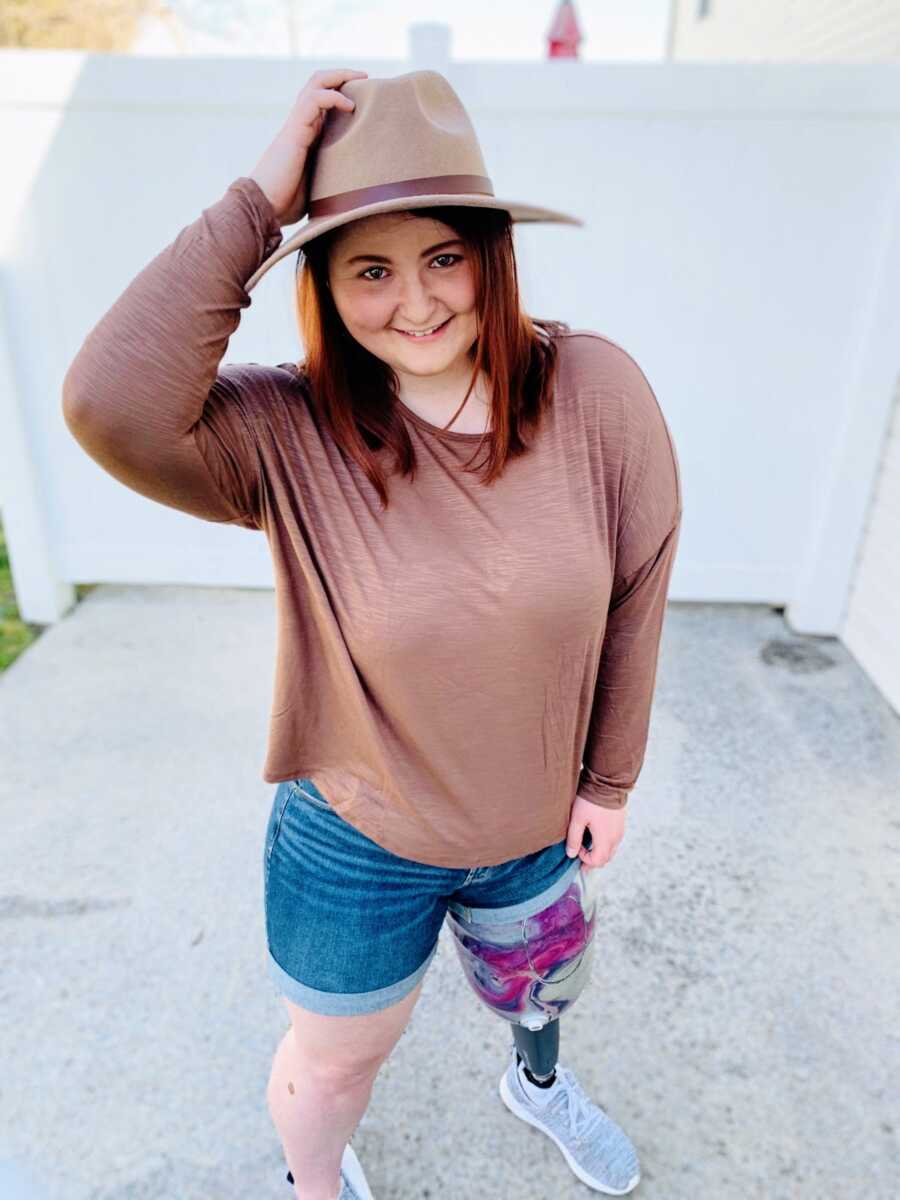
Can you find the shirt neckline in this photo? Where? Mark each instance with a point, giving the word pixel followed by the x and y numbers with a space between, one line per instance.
pixel 456 434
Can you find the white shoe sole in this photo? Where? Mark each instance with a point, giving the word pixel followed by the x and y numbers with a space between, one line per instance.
pixel 515 1107
pixel 352 1168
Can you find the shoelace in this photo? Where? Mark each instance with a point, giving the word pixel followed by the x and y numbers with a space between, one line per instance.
pixel 347 1189
pixel 581 1111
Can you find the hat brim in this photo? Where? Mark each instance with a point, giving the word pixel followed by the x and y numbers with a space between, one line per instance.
pixel 318 225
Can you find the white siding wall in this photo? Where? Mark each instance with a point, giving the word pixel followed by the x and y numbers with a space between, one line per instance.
pixel 787 30
pixel 842 31
pixel 872 626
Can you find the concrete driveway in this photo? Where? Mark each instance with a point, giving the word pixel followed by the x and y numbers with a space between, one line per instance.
pixel 744 1015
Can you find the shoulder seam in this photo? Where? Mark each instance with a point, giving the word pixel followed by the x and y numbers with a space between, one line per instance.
pixel 592 333
pixel 652 390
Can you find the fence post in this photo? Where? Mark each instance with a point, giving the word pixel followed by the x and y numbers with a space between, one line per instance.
pixel 41 596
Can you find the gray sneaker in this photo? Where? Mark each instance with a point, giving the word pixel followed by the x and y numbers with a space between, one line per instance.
pixel 597 1149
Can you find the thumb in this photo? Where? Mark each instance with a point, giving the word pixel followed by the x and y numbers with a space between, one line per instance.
pixel 573 841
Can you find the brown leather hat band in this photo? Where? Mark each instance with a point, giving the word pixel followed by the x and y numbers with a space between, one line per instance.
pixel 433 184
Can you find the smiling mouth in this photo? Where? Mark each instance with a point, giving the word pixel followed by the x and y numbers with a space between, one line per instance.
pixel 424 337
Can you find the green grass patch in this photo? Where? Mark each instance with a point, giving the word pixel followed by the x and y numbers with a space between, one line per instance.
pixel 15 634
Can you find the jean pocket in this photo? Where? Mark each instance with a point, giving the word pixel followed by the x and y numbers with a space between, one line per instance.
pixel 276 816
pixel 306 790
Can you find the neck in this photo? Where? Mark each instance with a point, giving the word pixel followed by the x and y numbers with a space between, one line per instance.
pixel 437 397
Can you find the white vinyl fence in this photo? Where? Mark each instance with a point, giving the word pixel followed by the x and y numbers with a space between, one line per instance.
pixel 742 242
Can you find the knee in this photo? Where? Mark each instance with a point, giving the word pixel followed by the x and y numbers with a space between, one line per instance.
pixel 329 1073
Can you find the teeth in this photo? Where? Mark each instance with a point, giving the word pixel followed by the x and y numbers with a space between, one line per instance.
pixel 424 332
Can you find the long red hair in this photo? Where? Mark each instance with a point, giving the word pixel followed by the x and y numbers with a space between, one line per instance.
pixel 353 391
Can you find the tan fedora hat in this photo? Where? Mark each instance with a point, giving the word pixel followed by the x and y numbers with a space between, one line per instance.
pixel 408 143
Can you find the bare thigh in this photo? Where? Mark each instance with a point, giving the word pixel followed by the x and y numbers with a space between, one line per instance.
pixel 356 1044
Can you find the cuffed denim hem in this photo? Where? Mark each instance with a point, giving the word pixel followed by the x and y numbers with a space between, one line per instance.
pixel 344 1004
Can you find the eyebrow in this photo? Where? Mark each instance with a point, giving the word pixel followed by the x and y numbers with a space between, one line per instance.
pixel 381 258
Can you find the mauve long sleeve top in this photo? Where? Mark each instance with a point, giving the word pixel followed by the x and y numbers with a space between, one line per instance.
pixel 452 670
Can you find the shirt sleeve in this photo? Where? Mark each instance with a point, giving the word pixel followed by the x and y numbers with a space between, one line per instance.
pixel 146 397
pixel 646 545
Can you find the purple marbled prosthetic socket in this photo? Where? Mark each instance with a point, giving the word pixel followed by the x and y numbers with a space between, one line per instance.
pixel 531 969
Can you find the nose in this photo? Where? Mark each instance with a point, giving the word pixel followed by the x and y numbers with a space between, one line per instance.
pixel 417 305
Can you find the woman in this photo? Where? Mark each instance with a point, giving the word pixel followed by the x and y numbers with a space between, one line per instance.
pixel 450 647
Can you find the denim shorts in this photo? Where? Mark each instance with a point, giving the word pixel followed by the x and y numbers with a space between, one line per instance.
pixel 352 927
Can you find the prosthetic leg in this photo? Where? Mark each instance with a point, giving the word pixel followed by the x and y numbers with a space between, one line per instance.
pixel 528 969
pixel 538 1049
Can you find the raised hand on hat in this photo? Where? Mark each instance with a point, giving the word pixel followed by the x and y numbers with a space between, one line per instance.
pixel 281 171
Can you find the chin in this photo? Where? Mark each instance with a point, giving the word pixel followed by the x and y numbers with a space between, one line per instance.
pixel 431 369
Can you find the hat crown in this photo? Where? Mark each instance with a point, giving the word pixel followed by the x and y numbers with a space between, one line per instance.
pixel 408 127
pixel 407 144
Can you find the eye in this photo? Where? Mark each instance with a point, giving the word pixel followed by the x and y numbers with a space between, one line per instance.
pixel 365 274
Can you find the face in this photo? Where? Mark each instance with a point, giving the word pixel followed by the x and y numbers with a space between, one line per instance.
pixel 392 273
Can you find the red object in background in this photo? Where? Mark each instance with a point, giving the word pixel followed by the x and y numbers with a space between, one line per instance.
pixel 564 35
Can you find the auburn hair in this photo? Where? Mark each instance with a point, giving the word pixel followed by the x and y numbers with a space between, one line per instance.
pixel 353 392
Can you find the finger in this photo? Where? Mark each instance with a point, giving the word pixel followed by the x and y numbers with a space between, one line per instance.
pixel 594 860
pixel 328 98
pixel 330 75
